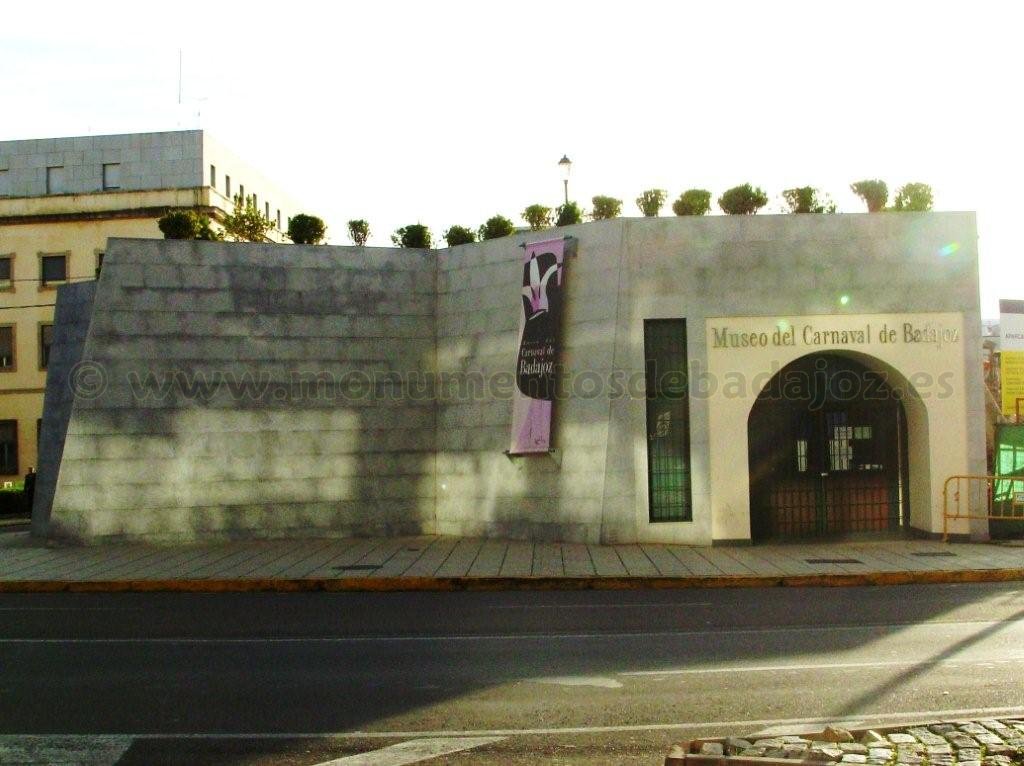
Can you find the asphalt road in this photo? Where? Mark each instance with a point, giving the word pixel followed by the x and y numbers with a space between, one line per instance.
pixel 589 677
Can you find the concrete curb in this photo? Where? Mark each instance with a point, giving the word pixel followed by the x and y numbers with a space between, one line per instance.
pixel 451 584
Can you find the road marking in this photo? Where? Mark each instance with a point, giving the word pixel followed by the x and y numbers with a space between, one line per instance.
pixel 413 751
pixel 599 681
pixel 907 718
pixel 717 633
pixel 57 750
pixel 822 666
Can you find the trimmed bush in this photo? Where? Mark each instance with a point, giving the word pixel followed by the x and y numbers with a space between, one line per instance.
pixel 496 227
pixel 413 235
pixel 913 198
pixel 693 202
pixel 650 202
pixel 358 231
pixel 187 224
pixel 569 214
pixel 537 217
pixel 743 200
pixel 306 229
pixel 459 235
pixel 807 199
pixel 874 193
pixel 605 208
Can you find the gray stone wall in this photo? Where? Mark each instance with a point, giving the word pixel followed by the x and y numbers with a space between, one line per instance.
pixel 171 160
pixel 221 412
pixel 72 315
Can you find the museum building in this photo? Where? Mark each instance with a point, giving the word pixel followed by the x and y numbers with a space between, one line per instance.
pixel 704 380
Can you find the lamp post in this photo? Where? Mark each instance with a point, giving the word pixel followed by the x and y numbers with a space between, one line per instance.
pixel 565 165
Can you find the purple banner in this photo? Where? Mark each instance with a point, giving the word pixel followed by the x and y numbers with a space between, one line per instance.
pixel 540 341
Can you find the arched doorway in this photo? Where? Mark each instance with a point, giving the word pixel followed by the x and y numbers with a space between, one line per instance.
pixel 827 441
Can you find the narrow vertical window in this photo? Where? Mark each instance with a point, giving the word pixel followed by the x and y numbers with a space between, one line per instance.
pixel 55 180
pixel 6 272
pixel 45 343
pixel 9 447
pixel 213 176
pixel 7 362
pixel 112 175
pixel 227 186
pixel 668 420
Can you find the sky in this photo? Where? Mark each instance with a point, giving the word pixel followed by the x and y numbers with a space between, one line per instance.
pixel 450 112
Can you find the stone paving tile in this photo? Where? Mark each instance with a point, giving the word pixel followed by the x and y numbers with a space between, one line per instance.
pixel 405 557
pixel 371 561
pixel 325 562
pixel 175 566
pixel 461 558
pixel 141 568
pixel 606 561
pixel 45 565
pixel 97 566
pixel 302 550
pixel 576 559
pixel 725 562
pixel 518 560
pixel 693 561
pixel 222 568
pixel 636 561
pixel 489 560
pixel 302 563
pixel 763 563
pixel 666 564
pixel 269 553
pixel 432 560
pixel 547 560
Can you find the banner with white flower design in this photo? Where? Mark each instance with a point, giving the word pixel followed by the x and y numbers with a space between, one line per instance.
pixel 539 346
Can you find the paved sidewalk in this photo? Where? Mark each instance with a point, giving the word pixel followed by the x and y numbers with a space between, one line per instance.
pixel 417 562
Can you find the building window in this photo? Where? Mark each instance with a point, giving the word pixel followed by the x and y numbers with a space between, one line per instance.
pixel 278 220
pixel 5 183
pixel 9 447
pixel 45 342
pixel 53 269
pixel 55 180
pixel 241 191
pixel 266 213
pixel 7 361
pixel 213 176
pixel 99 262
pixel 227 186
pixel 112 175
pixel 6 272
pixel 668 420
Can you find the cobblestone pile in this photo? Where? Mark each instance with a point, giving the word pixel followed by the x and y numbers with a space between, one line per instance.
pixel 986 742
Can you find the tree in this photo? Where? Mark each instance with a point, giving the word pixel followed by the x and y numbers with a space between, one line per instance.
pixel 188 224
pixel 743 200
pixel 650 202
pixel 496 227
pixel 413 235
pixel 568 214
pixel 306 229
pixel 537 217
pixel 605 208
pixel 246 223
pixel 807 199
pixel 913 198
pixel 693 202
pixel 874 193
pixel 459 235
pixel 358 231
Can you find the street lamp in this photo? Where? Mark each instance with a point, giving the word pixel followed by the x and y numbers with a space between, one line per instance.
pixel 565 165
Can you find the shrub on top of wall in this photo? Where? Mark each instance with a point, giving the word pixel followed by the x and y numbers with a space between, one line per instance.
pixel 537 217
pixel 358 231
pixel 413 235
pixel 605 208
pixel 568 214
pixel 306 229
pixel 650 202
pixel 187 224
pixel 807 199
pixel 459 235
pixel 913 198
pixel 496 227
pixel 874 192
pixel 743 200
pixel 693 202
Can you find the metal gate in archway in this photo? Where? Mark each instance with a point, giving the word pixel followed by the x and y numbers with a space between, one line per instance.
pixel 827 440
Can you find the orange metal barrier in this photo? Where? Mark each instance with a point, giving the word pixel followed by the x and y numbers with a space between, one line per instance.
pixel 1004 499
